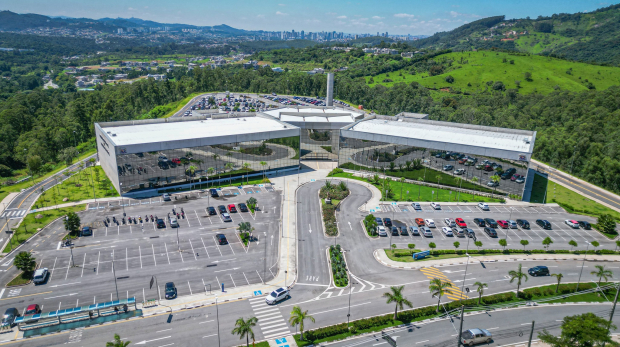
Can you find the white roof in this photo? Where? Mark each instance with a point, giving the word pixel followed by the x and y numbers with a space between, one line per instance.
pixel 173 131
pixel 452 133
pixel 318 115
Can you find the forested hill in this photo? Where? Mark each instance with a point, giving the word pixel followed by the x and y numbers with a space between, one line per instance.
pixel 592 37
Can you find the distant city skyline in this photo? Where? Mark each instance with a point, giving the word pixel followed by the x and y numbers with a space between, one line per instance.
pixel 398 17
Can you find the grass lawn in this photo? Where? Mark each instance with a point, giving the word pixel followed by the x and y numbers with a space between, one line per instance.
pixel 30 224
pixel 78 187
pixel 577 203
pixel 415 192
pixel 409 259
pixel 472 70
pixel 22 278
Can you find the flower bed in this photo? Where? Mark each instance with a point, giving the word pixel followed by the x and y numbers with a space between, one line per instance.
pixel 339 266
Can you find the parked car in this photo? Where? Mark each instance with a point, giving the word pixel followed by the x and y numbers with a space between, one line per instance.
pixel 456 231
pixel 493 184
pixel 523 224
pixel 539 271
pixel 483 206
pixel 86 231
pixel 414 230
pixel 426 232
pixel 416 206
pixel 448 167
pixel 447 231
pixel 40 275
pixel 490 231
pixel 490 222
pixel 512 224
pixel 470 233
pixel 544 224
pixel 211 211
pixel 520 179
pixel 173 222
pixel 429 223
pixel 381 230
pixel 166 197
pixel 222 209
pixel 226 217
pixel 160 223
pixel 9 317
pixel 171 291
pixel 33 309
pixel 403 230
pixel 503 224
pixel 480 222
pixel 420 222
pixel 459 171
pixel 572 223
pixel 277 296
pixel 449 222
pixel 475 336
pixel 387 222
pixel 213 193
pixel 460 223
pixel 232 208
pixel 243 207
pixel 395 231
pixel 585 225
pixel 221 239
pixel 435 206
pixel 379 221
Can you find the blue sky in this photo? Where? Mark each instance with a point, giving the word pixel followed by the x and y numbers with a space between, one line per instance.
pixel 416 17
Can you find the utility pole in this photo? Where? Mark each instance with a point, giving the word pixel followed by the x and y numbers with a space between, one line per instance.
pixel 349 313
pixel 613 309
pixel 217 315
pixel 114 272
pixel 582 263
pixel 529 342
pixel 461 326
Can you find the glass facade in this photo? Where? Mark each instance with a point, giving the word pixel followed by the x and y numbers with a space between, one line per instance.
pixel 159 169
pixel 319 144
pixel 415 162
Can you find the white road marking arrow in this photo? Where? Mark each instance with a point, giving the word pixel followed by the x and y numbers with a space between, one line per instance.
pixel 350 225
pixel 310 227
pixel 145 341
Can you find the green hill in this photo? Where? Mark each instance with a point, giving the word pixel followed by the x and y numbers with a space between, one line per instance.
pixel 474 71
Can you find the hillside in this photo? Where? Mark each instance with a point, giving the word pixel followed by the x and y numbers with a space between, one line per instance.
pixel 590 37
pixel 474 71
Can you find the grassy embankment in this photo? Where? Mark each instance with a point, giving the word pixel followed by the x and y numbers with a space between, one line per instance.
pixel 79 187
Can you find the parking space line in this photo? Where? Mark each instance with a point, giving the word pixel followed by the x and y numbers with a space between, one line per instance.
pixel 198 218
pixel 528 235
pixel 205 246
pixel 140 252
pixel 544 231
pixel 232 248
pixel 187 220
pixel 106 231
pixel 166 247
pixel 68 266
pixel 246 278
pixel 181 253
pixel 98 262
pixel 83 263
pixel 217 245
pixel 192 246
pixel 190 288
pixel 233 281
pixel 514 231
pixel 126 260
pixel 153 248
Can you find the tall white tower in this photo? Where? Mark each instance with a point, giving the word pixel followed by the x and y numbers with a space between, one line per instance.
pixel 330 89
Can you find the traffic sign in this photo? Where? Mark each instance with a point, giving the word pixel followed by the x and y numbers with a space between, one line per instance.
pixel 258 292
pixel 393 204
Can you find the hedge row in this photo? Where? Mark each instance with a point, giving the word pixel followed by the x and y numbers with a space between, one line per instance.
pixel 329 218
pixel 407 253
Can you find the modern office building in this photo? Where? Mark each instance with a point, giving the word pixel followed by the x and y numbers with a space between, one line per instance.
pixel 141 156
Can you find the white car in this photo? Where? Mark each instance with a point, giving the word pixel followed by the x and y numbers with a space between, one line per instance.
pixel 435 206
pixel 429 223
pixel 381 230
pixel 493 184
pixel 483 206
pixel 572 223
pixel 416 206
pixel 427 232
pixel 277 295
pixel 414 230
pixel 447 231
pixel 173 222
pixel 513 225
pixel 459 171
pixel 449 222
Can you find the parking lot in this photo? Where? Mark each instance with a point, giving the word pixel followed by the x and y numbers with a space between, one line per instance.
pixel 560 233
pixel 134 253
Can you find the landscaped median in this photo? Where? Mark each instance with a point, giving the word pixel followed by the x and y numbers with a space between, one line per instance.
pixel 565 294
pixel 330 196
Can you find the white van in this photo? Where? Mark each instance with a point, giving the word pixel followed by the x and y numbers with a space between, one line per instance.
pixel 40 275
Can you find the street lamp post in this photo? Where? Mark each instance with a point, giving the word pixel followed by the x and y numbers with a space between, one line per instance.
pixel 582 263
pixel 349 313
pixel 466 264
pixel 217 315
pixel 114 273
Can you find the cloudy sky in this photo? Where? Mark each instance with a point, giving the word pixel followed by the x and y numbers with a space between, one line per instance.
pixel 416 17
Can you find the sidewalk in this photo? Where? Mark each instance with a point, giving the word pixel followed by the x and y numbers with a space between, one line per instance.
pixel 7 201
pixel 75 203
pixel 383 259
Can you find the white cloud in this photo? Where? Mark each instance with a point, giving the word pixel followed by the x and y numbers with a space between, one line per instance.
pixel 281 13
pixel 342 17
pixel 458 14
pixel 260 16
pixel 404 15
pixel 281 4
pixel 377 17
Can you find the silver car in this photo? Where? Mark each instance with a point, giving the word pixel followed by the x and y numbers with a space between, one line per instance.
pixel 475 336
pixel 173 222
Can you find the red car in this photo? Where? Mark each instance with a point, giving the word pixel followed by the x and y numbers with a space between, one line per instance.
pixel 503 224
pixel 515 177
pixel 460 222
pixel 176 161
pixel 33 309
pixel 232 208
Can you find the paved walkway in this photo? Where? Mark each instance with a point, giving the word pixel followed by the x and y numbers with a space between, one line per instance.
pixel 7 201
pixel 383 259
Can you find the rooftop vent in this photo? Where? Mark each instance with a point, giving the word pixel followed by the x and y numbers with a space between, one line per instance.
pixel 526 139
pixel 113 134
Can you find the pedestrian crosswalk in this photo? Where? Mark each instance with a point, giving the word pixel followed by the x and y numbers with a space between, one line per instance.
pixel 453 293
pixel 357 285
pixel 13 213
pixel 270 319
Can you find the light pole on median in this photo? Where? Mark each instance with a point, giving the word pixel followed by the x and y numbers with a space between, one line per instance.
pixel 466 264
pixel 582 263
pixel 349 313
pixel 217 315
pixel 114 273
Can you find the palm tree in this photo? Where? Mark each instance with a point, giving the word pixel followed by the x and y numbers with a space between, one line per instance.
pixel 559 277
pixel 602 273
pixel 397 297
pixel 215 156
pixel 191 169
pixel 229 166
pixel 480 289
pixel 263 164
pixel 243 328
pixel 402 180
pixel 297 318
pixel 210 172
pixel 117 342
pixel 438 288
pixel 420 187
pixel 517 275
pixel 495 179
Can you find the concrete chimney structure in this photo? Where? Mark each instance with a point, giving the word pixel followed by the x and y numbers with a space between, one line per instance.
pixel 330 89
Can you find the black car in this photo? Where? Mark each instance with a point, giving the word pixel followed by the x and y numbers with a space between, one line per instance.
pixel 211 211
pixel 222 209
pixel 161 224
pixel 86 231
pixel 242 207
pixel 544 224
pixel 395 231
pixel 523 224
pixel 584 225
pixel 508 173
pixel 469 233
pixel 538 271
pixel 213 192
pixel 491 222
pixel 379 221
pixel 403 230
pixel 9 317
pixel 480 222
pixel 490 231
pixel 387 222
pixel 171 291
pixel 221 239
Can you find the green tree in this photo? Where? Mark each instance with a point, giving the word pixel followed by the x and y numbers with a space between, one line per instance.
pixel 503 243
pixel 438 288
pixel 263 164
pixel 478 244
pixel 25 262
pixel 480 290
pixel 411 247
pixel 518 275
pixel 495 179
pixel 34 164
pixel 584 330
pixel 606 224
pixel 243 328
pixel 402 181
pixel 524 243
pixel 210 172
pixel 68 154
pixel 191 170
pixel 432 245
pixel 617 245
pixel 72 222
pixel 229 166
pixel 557 276
pixel 117 342
pixel 396 296
pixel 456 244
pixel 251 202
pixel 547 242
pixel 298 317
pixel 595 244
pixel 573 243
pixel 601 273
